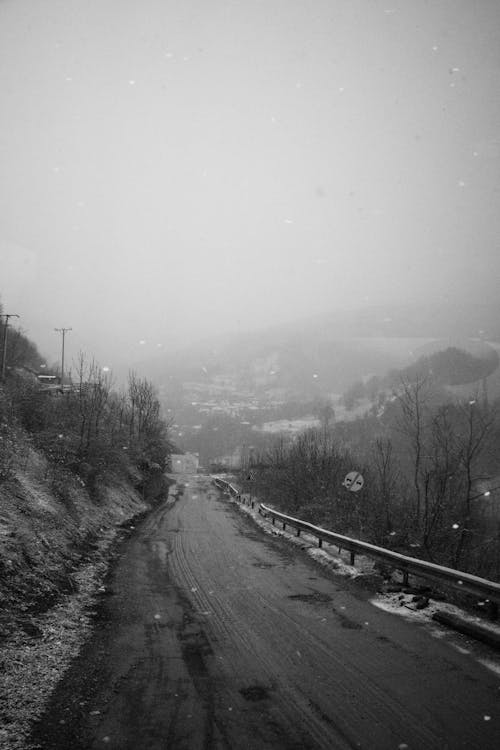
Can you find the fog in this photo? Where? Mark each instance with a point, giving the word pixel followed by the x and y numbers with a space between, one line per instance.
pixel 173 170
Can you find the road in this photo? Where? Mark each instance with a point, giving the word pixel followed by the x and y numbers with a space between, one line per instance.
pixel 215 635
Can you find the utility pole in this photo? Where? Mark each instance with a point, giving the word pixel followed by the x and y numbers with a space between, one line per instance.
pixel 62 331
pixel 4 352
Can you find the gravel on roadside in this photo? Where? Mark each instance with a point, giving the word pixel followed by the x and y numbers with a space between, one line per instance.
pixel 31 665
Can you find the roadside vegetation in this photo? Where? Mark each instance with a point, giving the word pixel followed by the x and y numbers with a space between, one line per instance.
pixel 90 432
pixel 75 462
pixel 430 465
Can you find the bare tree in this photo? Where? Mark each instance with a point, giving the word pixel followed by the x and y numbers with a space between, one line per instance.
pixel 94 387
pixel 387 476
pixel 147 430
pixel 413 400
pixel 476 423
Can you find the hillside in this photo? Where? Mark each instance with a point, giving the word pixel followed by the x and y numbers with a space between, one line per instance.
pixel 75 460
pixel 78 463
pixel 218 393
pixel 48 529
pixel 324 354
pixel 57 540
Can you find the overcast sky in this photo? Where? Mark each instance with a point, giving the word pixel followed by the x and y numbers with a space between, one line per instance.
pixel 175 168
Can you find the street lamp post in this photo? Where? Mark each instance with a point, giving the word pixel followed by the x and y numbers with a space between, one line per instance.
pixel 4 351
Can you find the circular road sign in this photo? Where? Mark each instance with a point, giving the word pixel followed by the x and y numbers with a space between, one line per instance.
pixel 353 481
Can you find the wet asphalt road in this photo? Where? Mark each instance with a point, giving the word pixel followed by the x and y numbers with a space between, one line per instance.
pixel 215 635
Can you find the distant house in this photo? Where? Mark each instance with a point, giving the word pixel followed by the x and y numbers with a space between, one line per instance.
pixel 184 463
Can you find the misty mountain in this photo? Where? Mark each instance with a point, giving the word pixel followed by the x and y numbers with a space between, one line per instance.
pixel 324 354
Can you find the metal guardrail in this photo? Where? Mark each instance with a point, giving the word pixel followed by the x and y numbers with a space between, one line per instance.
pixel 455 579
pixel 225 486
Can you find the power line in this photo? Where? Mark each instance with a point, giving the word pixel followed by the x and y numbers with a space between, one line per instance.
pixel 4 351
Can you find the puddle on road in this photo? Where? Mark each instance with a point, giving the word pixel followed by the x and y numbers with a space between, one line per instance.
pixel 346 622
pixel 255 693
pixel 317 597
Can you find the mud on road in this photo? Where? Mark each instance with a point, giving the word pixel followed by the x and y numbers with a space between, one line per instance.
pixel 212 635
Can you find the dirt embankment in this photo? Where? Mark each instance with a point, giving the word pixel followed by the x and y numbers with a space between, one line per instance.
pixel 51 525
pixel 57 539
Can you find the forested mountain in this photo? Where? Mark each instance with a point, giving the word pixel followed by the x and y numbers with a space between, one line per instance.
pixel 326 354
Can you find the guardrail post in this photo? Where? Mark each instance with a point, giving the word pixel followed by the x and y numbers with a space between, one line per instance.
pixel 320 542
pixel 353 557
pixel 298 532
pixel 284 525
pixel 272 521
pixel 405 577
